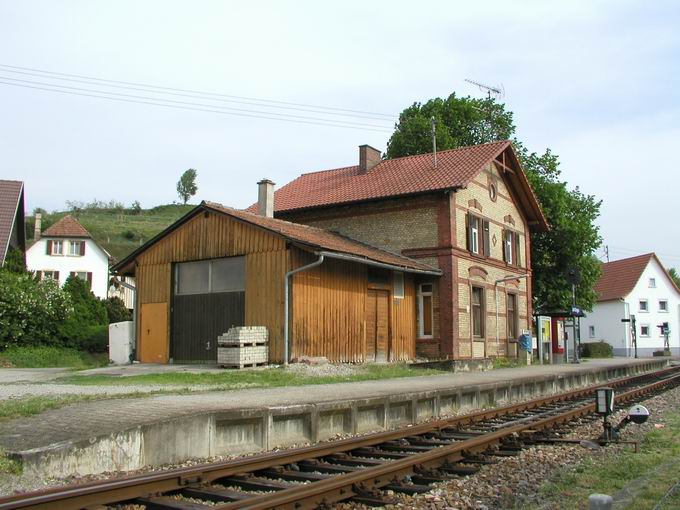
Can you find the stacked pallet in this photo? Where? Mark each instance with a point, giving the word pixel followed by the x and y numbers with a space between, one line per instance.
pixel 243 347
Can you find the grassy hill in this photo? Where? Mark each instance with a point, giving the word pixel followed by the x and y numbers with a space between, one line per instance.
pixel 119 231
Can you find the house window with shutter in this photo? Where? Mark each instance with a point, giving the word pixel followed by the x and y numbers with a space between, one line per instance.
pixel 511 247
pixel 50 275
pixel 83 275
pixel 55 247
pixel 478 235
pixel 76 248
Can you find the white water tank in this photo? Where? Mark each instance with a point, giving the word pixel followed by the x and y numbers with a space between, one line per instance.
pixel 121 335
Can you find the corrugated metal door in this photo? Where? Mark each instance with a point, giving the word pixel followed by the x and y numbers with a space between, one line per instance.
pixel 197 321
pixel 208 299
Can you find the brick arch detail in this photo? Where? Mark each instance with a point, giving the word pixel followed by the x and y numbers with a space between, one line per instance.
pixel 479 272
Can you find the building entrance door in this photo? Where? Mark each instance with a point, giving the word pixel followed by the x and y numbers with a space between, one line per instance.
pixel 377 325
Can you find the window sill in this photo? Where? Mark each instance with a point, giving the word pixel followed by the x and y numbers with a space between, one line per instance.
pixel 426 337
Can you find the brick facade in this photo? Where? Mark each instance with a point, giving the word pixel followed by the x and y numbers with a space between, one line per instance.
pixel 433 228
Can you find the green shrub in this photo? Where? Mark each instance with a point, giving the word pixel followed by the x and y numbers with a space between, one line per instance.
pixel 596 350
pixel 128 234
pixel 661 353
pixel 87 327
pixel 31 310
pixel 116 310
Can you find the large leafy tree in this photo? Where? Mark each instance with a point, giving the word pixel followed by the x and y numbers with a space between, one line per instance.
pixel 186 186
pixel 674 276
pixel 573 237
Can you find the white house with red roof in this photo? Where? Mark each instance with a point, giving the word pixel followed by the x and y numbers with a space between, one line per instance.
pixel 640 287
pixel 67 249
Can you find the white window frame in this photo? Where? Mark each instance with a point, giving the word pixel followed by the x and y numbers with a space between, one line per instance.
pixel 591 331
pixel 508 245
pixel 652 283
pixel 663 310
pixel 648 335
pixel 56 243
pixel 421 308
pixel 640 309
pixel 398 289
pixel 71 244
pixel 474 233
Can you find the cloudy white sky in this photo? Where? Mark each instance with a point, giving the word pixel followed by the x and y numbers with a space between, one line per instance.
pixel 597 82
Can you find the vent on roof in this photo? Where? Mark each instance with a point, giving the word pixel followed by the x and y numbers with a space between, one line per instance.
pixel 368 158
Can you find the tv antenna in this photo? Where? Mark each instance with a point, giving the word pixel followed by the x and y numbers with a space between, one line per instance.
pixel 498 91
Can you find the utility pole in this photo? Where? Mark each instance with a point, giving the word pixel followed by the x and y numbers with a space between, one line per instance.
pixel 606 251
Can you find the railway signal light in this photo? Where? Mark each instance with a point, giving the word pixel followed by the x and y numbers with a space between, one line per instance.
pixel 604 402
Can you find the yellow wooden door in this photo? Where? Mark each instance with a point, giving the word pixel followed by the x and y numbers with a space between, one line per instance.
pixel 153 338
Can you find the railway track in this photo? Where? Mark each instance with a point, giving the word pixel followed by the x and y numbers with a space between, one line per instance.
pixel 359 469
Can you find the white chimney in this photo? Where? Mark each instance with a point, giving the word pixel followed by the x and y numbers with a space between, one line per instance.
pixel 265 198
pixel 38 226
pixel 368 158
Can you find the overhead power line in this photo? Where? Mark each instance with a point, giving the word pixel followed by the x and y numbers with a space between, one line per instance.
pixel 206 108
pixel 213 95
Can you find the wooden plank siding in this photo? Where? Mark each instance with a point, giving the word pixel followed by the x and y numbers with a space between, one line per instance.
pixel 328 302
pixel 213 236
pixel 329 312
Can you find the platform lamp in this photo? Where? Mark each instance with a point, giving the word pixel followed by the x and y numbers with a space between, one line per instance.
pixel 604 406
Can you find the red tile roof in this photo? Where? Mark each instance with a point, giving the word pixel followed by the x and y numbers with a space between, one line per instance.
pixel 398 177
pixel 68 226
pixel 312 237
pixel 619 277
pixel 390 177
pixel 10 197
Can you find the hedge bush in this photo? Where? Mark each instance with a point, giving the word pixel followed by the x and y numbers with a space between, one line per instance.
pixel 86 329
pixel 31 310
pixel 596 350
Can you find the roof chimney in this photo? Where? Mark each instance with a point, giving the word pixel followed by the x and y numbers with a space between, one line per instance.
pixel 38 226
pixel 265 198
pixel 368 158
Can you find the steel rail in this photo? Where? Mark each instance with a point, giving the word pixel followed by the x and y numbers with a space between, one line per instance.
pixel 130 487
pixel 342 487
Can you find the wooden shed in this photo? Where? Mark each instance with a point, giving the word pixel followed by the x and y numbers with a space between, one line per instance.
pixel 219 267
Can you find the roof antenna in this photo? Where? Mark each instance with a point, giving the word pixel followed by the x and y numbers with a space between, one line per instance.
pixel 498 92
pixel 434 142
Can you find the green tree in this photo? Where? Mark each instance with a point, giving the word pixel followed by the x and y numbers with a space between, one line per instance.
pixel 186 186
pixel 15 261
pixel 674 276
pixel 573 237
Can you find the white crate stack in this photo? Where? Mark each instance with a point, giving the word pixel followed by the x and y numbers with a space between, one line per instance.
pixel 243 347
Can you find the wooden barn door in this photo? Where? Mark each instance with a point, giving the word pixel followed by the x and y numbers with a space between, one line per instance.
pixel 153 337
pixel 377 325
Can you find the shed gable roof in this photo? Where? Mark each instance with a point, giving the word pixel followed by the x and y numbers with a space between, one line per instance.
pixel 619 277
pixel 306 236
pixel 11 193
pixel 403 176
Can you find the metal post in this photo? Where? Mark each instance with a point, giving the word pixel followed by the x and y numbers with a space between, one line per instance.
pixel 634 334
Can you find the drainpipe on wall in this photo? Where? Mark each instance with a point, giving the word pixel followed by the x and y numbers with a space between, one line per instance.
pixel 286 306
pixel 495 290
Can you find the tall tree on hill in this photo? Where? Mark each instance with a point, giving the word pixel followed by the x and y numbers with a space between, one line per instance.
pixel 573 237
pixel 186 186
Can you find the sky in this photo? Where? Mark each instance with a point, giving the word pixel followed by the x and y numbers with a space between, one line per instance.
pixel 596 82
